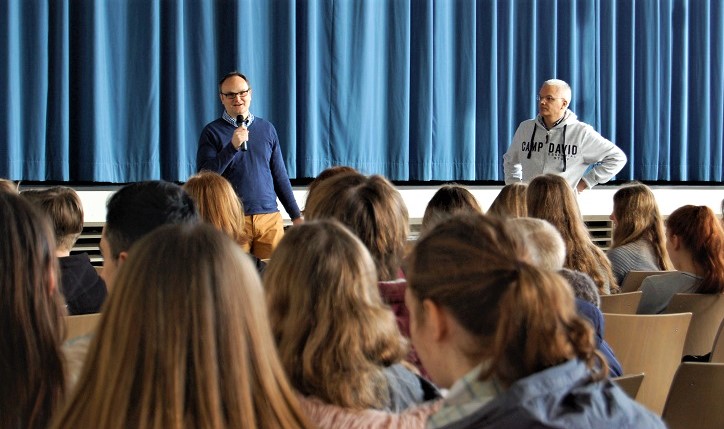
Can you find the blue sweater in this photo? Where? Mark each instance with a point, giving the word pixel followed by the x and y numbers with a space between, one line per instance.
pixel 257 175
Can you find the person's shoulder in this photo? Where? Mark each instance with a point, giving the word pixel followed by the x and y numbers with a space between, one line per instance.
pixel 215 127
pixel 527 123
pixel 657 280
pixel 216 123
pixel 628 250
pixel 262 122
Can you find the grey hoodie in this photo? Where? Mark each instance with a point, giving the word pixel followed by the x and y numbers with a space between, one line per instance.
pixel 567 149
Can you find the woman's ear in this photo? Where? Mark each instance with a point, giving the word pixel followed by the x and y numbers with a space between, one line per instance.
pixel 52 280
pixel 674 241
pixel 436 319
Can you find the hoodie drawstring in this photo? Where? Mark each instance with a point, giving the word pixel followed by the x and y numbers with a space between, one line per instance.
pixel 564 147
pixel 535 127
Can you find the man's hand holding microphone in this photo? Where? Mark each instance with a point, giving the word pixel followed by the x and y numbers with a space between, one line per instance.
pixel 241 135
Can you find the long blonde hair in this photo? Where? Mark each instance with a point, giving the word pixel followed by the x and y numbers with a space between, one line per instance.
pixel 184 342
pixel 551 198
pixel 335 335
pixel 218 203
pixel 523 318
pixel 638 218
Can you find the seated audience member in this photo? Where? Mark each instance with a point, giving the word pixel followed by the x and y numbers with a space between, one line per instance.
pixel 510 202
pixel 134 211
pixel 545 248
pixel 337 341
pixel 184 342
pixel 593 314
pixel 328 173
pixel 32 370
pixel 448 200
pixel 82 287
pixel 504 337
pixel 549 197
pixel 695 240
pixel 219 205
pixel 639 243
pixel 131 213
pixel 8 186
pixel 376 213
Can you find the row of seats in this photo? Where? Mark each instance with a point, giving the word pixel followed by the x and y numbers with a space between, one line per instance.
pixel 650 349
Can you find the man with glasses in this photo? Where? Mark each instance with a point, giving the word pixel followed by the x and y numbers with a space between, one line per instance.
pixel 245 150
pixel 556 142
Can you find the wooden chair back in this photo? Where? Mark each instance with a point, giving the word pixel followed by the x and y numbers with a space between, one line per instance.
pixel 708 311
pixel 621 303
pixel 651 344
pixel 717 353
pixel 76 326
pixel 633 279
pixel 695 397
pixel 630 383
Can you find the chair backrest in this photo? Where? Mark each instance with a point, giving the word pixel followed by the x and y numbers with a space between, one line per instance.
pixel 621 303
pixel 651 344
pixel 630 383
pixel 76 326
pixel 708 311
pixel 717 353
pixel 633 279
pixel 695 397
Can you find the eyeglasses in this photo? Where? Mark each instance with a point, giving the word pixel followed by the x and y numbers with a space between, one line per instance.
pixel 547 98
pixel 233 95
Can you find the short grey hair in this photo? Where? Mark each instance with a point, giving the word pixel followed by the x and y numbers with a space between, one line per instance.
pixel 545 244
pixel 563 86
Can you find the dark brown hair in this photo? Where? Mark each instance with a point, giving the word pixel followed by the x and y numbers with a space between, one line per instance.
pixel 31 317
pixel 522 317
pixel 447 200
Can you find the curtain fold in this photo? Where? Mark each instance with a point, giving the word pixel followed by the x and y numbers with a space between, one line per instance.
pixel 118 91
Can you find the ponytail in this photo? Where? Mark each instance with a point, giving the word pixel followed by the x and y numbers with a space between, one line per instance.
pixel 538 328
pixel 702 235
pixel 523 317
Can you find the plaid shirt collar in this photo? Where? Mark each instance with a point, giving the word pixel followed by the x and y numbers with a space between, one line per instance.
pixel 249 119
pixel 465 397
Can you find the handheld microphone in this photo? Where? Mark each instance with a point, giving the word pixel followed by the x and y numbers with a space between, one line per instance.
pixel 240 121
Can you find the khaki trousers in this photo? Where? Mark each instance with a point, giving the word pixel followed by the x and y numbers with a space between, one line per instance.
pixel 264 232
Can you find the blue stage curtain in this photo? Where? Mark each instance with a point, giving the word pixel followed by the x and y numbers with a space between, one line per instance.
pixel 119 90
